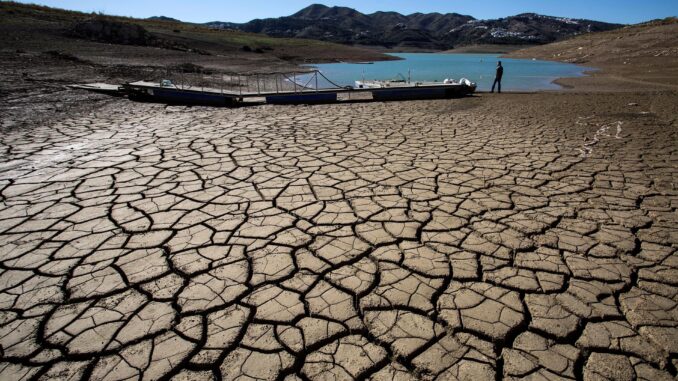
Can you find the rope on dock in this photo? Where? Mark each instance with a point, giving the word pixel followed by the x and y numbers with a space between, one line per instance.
pixel 295 82
pixel 328 80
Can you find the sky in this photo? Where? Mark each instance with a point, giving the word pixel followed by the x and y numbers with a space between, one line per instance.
pixel 618 11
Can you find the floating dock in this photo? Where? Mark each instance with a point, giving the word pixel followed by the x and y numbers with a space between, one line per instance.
pixel 168 92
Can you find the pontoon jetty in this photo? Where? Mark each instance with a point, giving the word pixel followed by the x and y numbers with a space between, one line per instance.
pixel 277 88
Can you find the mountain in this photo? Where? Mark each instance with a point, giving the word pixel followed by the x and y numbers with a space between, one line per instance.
pixel 418 30
pixel 222 25
pixel 163 18
pixel 526 28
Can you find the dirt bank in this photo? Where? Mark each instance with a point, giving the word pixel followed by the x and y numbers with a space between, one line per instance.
pixel 639 57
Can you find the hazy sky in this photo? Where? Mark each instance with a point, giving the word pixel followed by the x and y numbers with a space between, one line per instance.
pixel 621 11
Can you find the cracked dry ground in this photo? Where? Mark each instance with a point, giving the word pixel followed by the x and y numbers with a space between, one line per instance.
pixel 458 239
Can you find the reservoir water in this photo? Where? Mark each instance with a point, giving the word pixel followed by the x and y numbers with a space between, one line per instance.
pixel 519 74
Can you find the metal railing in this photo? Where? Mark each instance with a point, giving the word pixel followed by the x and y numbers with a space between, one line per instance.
pixel 201 79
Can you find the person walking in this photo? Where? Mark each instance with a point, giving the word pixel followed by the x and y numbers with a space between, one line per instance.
pixel 497 77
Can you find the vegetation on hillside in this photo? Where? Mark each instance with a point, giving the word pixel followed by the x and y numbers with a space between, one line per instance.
pixel 34 27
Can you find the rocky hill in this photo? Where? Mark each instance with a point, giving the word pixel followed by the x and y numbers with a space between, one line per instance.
pixel 418 30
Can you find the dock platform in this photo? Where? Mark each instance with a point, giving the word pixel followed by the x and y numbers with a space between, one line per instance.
pixel 171 93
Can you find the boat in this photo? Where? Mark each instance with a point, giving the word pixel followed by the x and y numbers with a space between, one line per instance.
pixel 399 80
pixel 402 90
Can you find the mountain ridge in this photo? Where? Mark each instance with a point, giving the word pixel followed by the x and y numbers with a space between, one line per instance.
pixel 417 30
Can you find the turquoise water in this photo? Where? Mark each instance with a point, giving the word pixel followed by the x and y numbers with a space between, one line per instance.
pixel 519 74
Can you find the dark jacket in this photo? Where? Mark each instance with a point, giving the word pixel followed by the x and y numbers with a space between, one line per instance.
pixel 500 71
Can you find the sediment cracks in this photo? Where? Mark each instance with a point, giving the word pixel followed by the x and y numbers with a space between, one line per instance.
pixel 382 241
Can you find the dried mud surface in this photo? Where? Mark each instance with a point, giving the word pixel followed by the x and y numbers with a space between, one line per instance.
pixel 514 236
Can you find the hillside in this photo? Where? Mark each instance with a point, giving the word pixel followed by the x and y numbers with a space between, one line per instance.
pixel 433 31
pixel 31 28
pixel 639 55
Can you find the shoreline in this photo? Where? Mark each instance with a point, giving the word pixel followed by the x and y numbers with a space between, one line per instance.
pixel 561 82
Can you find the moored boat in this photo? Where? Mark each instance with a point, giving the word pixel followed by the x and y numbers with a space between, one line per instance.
pixel 402 90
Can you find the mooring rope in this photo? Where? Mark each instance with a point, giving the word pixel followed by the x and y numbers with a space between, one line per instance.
pixel 297 83
pixel 317 72
pixel 328 80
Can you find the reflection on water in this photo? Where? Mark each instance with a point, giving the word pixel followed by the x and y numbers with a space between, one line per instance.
pixel 519 74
